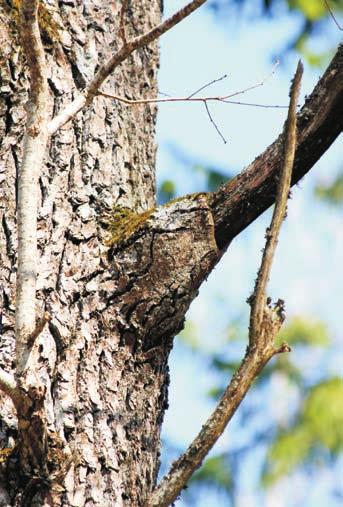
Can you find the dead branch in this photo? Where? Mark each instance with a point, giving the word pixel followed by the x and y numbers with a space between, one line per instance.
pixel 191 98
pixel 258 300
pixel 35 140
pixel 108 67
pixel 261 337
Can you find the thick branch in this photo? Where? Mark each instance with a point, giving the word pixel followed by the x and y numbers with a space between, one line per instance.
pixel 320 121
pixel 265 323
pixel 108 67
pixel 35 140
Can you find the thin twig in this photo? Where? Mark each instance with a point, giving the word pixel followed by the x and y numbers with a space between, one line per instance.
pixel 206 86
pixel 35 140
pixel 214 123
pixel 258 299
pixel 136 102
pixel 257 85
pixel 253 104
pixel 108 67
pixel 332 15
pixel 259 352
pixel 191 98
pixel 164 94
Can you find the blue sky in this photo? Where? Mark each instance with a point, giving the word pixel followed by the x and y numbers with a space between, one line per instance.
pixel 307 272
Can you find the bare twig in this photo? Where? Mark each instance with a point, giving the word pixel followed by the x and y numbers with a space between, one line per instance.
pixel 204 100
pixel 332 15
pixel 206 86
pixel 35 140
pixel 8 386
pixel 214 123
pixel 137 102
pixel 254 104
pixel 261 346
pixel 108 67
pixel 191 98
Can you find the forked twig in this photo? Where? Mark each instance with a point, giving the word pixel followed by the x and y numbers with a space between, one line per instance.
pixel 261 337
pixel 191 98
pixel 204 100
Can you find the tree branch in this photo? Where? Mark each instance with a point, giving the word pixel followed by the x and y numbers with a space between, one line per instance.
pixel 35 140
pixel 191 98
pixel 240 201
pixel 108 67
pixel 258 300
pixel 265 323
pixel 8 386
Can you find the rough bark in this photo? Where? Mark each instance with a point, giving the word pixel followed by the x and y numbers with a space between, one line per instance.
pixel 105 158
pixel 116 282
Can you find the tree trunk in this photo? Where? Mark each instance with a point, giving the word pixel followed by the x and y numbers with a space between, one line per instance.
pixel 103 358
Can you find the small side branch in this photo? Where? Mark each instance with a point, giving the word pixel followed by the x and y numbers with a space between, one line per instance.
pixel 214 123
pixel 8 386
pixel 261 338
pixel 35 140
pixel 40 325
pixel 108 67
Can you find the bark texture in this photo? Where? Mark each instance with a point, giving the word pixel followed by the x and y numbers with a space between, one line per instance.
pixel 116 274
pixel 105 158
